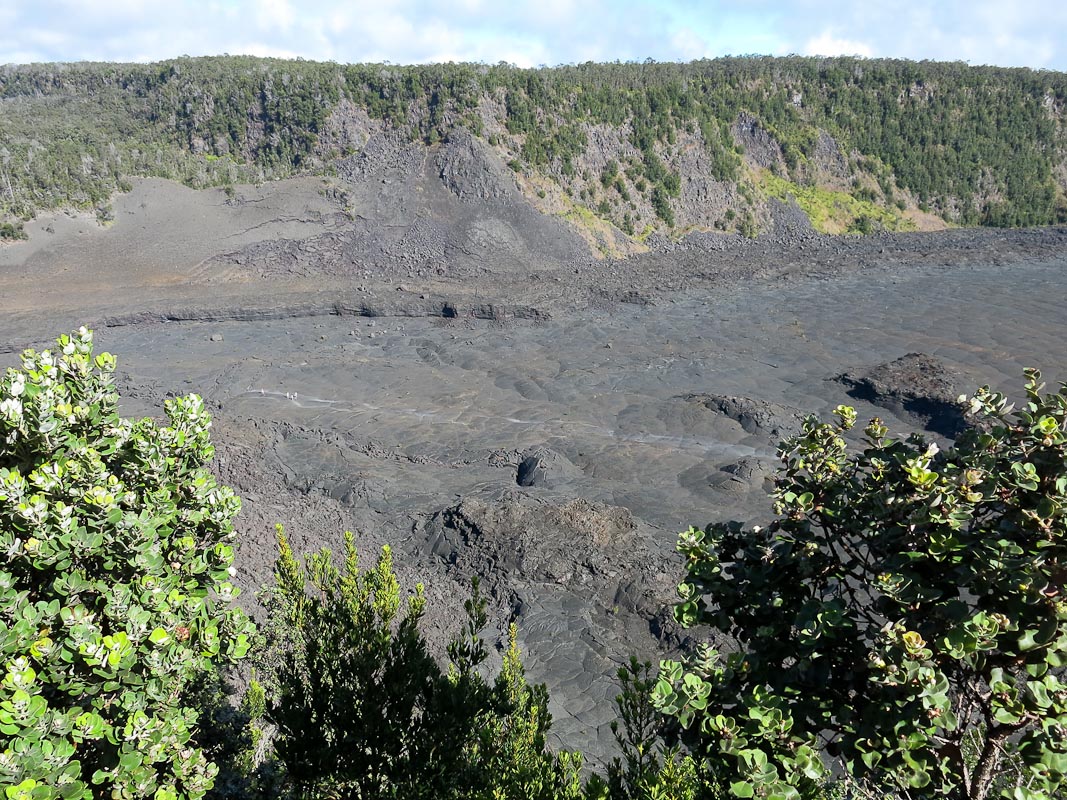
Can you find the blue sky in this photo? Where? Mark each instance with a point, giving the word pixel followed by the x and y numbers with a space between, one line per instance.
pixel 1021 33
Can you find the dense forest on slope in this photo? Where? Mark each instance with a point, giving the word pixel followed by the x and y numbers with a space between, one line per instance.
pixel 860 144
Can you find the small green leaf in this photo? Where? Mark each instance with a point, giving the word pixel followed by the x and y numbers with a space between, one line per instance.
pixel 742 789
pixel 1004 716
pixel 1040 694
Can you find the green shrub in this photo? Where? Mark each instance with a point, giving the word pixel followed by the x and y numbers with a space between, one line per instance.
pixel 508 755
pixel 863 225
pixel 609 173
pixel 662 205
pixel 748 227
pixel 646 769
pixel 362 709
pixel 12 231
pixel 115 589
pixel 233 738
pixel 903 620
pixel 672 184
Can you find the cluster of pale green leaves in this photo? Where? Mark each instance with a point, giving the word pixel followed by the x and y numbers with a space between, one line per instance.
pixel 115 588
pixel 904 616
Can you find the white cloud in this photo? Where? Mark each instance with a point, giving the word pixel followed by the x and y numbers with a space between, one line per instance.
pixel 688 45
pixel 12 56
pixel 554 12
pixel 531 32
pixel 1032 34
pixel 827 44
pixel 337 21
pixel 261 49
pixel 275 14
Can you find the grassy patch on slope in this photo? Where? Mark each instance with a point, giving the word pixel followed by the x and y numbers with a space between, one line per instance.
pixel 834 212
pixel 605 240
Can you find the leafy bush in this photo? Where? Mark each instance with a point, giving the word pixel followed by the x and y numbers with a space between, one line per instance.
pixel 362 709
pixel 904 617
pixel 234 738
pixel 661 204
pixel 114 590
pixel 508 755
pixel 12 231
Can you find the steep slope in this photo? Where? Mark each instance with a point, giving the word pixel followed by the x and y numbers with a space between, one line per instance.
pixel 450 210
pixel 619 150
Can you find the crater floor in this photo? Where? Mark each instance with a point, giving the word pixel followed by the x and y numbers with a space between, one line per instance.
pixel 630 398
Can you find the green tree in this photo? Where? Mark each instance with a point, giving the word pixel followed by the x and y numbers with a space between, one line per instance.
pixel 646 769
pixel 115 589
pixel 363 710
pixel 352 676
pixel 508 755
pixel 903 618
pixel 974 144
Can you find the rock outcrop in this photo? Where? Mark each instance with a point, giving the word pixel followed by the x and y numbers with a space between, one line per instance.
pixel 917 387
pixel 544 467
pixel 757 417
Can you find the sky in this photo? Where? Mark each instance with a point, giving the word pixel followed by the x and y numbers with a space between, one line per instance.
pixel 530 33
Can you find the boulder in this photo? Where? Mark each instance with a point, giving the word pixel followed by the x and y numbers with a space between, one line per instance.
pixel 544 467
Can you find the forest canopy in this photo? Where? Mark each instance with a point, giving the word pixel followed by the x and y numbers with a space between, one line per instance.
pixel 973 145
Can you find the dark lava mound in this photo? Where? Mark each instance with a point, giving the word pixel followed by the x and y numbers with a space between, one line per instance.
pixel 915 386
pixel 772 420
pixel 544 467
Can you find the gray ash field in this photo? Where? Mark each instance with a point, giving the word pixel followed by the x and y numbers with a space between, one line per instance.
pixel 423 359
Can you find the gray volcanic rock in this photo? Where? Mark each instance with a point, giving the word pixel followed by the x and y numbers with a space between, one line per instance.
pixel 471 172
pixel 416 213
pixel 917 386
pixel 544 467
pixel 758 417
pixel 761 148
pixel 587 587
pixel 789 223
pixel 829 158
pixel 748 471
pixel 385 156
pixel 512 540
pixel 534 539
pixel 389 346
pixel 739 484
